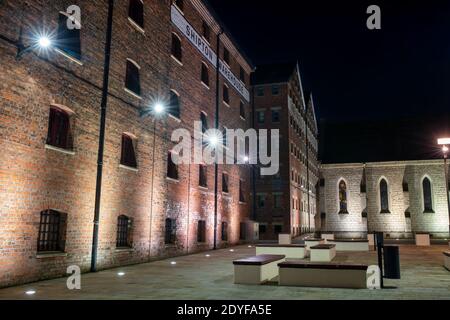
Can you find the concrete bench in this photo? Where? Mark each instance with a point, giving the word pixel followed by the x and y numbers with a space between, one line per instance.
pixel 327 236
pixel 322 275
pixel 447 260
pixel 371 239
pixel 284 238
pixel 323 253
pixel 257 269
pixel 291 251
pixel 313 242
pixel 350 245
pixel 422 239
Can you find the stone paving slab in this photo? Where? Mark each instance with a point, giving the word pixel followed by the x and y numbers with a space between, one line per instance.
pixel 200 277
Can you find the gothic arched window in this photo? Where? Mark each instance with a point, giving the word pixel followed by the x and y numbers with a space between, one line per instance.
pixel 384 197
pixel 342 197
pixel 427 197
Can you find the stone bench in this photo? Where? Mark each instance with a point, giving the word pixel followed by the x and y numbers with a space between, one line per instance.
pixel 322 253
pixel 322 275
pixel 327 236
pixel 422 239
pixel 350 245
pixel 447 260
pixel 291 251
pixel 257 269
pixel 313 242
pixel 284 238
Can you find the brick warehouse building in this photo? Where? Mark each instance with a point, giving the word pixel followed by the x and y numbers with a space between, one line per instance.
pixel 49 132
pixel 286 203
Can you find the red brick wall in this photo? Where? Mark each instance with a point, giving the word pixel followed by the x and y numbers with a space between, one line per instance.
pixel 33 178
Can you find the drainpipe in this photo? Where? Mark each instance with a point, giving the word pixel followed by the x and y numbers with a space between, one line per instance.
pixel 307 167
pixel 101 142
pixel 216 126
pixel 254 166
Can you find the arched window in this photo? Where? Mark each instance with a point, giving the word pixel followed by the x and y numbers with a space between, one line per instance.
pixel 204 122
pixel 205 74
pixel 68 40
pixel 59 134
pixel 226 95
pixel 136 12
pixel 132 80
pixel 427 195
pixel 172 168
pixel 242 110
pixel 179 4
pixel 176 47
pixel 128 154
pixel 384 197
pixel 171 231
pixel 342 197
pixel 174 107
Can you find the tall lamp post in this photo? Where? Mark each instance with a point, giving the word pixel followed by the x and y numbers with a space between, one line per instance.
pixel 157 110
pixel 445 142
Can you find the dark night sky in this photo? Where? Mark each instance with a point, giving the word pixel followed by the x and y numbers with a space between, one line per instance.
pixel 354 73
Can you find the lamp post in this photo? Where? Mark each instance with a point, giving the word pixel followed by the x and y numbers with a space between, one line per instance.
pixel 157 110
pixel 445 142
pixel 213 141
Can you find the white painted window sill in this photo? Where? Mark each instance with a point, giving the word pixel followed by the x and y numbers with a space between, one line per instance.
pixel 205 85
pixel 176 60
pixel 136 26
pixel 121 166
pixel 173 180
pixel 120 250
pixel 132 93
pixel 61 150
pixel 47 255
pixel 174 118
pixel 69 57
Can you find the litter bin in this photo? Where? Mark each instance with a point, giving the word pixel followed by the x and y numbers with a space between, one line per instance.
pixel 391 262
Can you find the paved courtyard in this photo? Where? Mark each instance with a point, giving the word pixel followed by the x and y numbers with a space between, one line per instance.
pixel 200 276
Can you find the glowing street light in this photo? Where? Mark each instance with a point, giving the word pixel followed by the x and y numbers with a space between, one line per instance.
pixel 41 42
pixel 445 142
pixel 44 42
pixel 159 108
pixel 30 292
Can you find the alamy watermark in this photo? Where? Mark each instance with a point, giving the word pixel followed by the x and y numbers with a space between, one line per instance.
pixel 233 146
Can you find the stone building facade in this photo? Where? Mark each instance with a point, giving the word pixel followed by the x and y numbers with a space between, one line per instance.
pixel 399 198
pixel 49 135
pixel 286 202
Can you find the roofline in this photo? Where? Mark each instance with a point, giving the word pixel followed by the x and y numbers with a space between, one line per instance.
pixel 381 164
pixel 228 33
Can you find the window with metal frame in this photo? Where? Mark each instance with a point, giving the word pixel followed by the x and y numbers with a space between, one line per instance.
pixel 170 231
pixel 52 231
pixel 123 232
pixel 201 231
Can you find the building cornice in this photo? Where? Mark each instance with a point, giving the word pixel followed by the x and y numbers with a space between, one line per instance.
pixel 382 164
